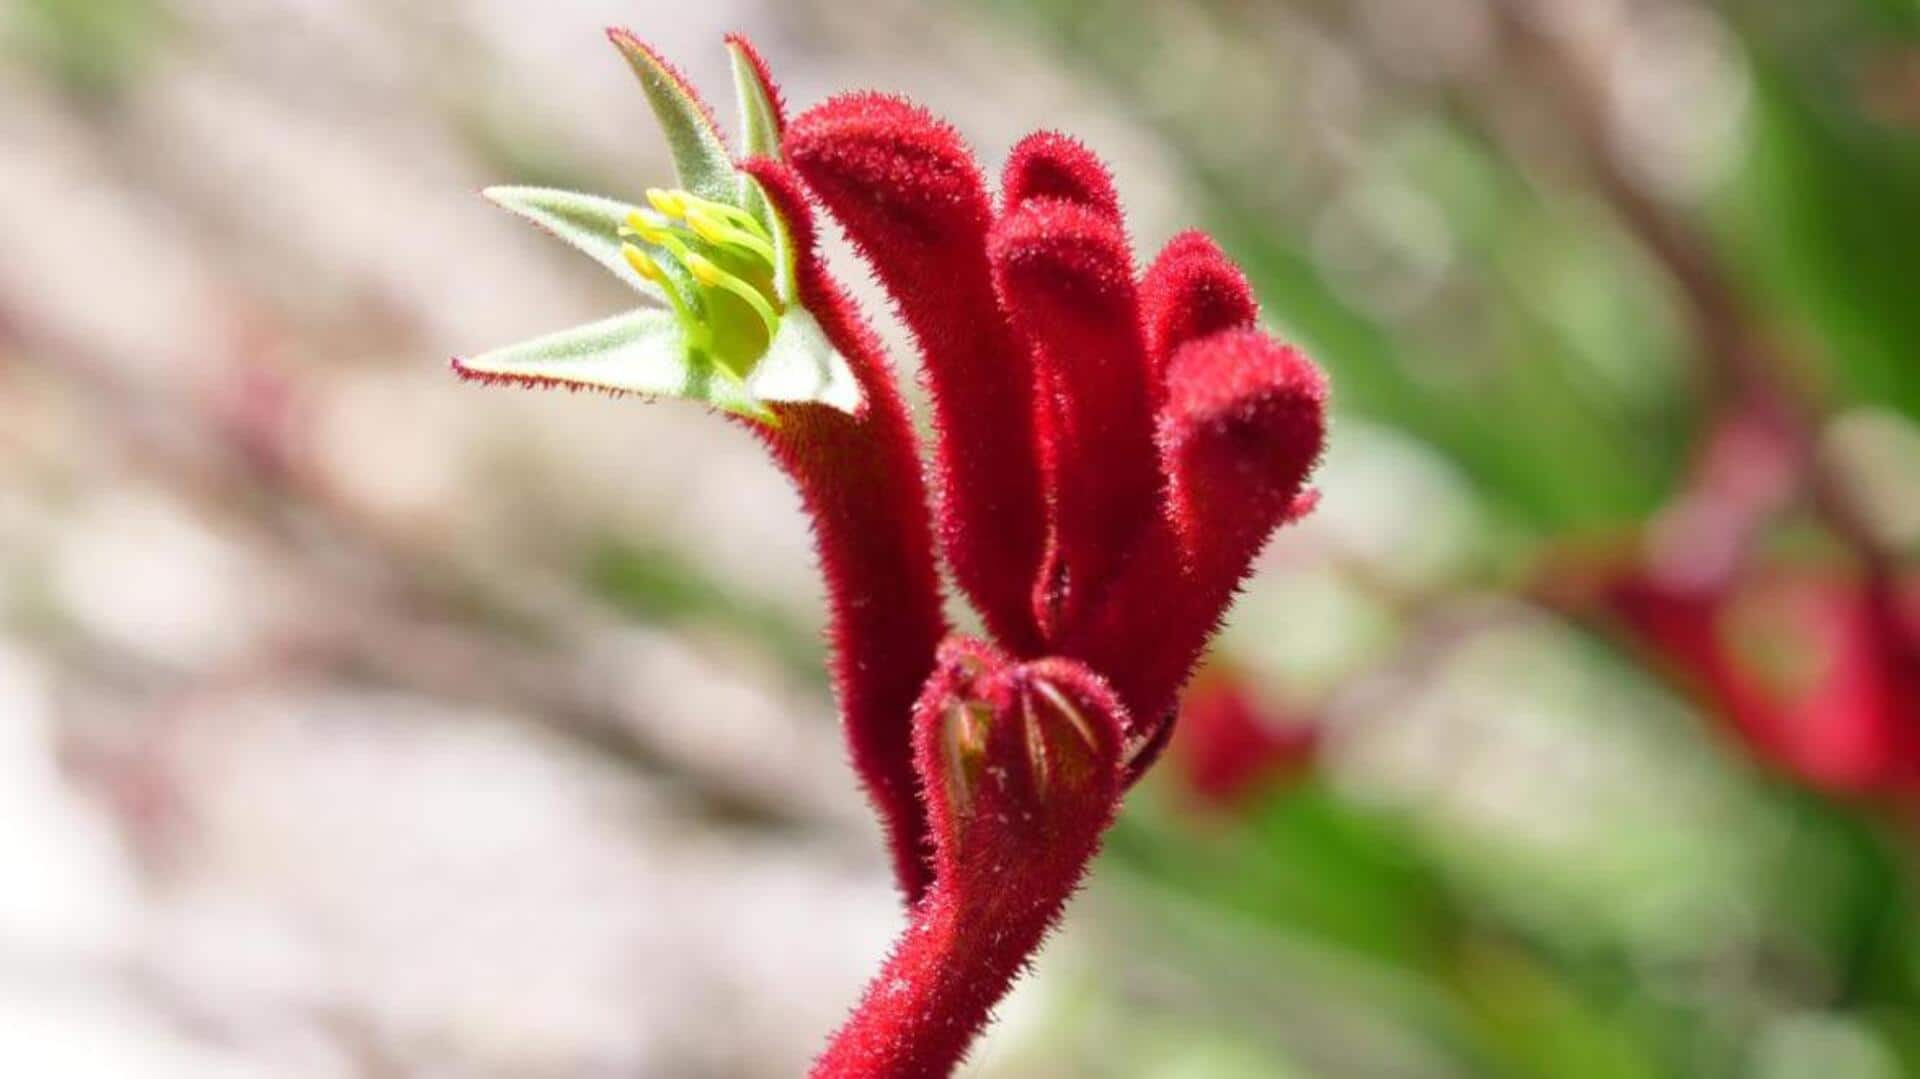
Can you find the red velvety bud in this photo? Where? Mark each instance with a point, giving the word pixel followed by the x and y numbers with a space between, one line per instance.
pixel 1065 274
pixel 1049 165
pixel 1243 424
pixel 1191 291
pixel 906 190
pixel 1021 768
pixel 860 479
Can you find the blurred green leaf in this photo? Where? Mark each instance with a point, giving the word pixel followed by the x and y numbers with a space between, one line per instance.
pixel 95 48
pixel 1826 216
pixel 1304 860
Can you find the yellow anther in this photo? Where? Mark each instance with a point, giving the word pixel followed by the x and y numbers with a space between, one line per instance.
pixel 646 230
pixel 742 218
pixel 643 263
pixel 705 272
pixel 708 227
pixel 669 203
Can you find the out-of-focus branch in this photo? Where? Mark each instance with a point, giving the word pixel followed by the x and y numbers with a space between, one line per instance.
pixel 1747 367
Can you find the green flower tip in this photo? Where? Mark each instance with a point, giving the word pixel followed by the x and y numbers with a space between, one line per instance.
pixel 729 329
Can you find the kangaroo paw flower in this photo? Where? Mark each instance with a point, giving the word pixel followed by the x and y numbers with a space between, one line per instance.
pixel 1111 454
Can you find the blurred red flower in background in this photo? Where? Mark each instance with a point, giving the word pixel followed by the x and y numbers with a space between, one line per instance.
pixel 1818 676
pixel 1231 746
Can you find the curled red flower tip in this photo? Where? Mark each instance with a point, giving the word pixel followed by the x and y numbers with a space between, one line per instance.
pixel 884 156
pixel 1243 425
pixel 1049 165
pixel 1067 251
pixel 1193 290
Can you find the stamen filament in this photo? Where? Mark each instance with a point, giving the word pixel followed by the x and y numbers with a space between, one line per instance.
pixel 692 231
pixel 679 204
pixel 707 273
pixel 644 265
pixel 715 231
pixel 659 236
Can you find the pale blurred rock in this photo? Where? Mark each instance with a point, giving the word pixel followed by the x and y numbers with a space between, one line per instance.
pixel 138 570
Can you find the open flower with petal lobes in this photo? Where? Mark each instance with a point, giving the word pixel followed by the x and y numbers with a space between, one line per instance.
pixel 1113 446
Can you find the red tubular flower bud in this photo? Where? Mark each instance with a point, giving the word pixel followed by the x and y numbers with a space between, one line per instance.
pixel 1064 272
pixel 1243 425
pixel 906 190
pixel 1021 770
pixel 860 479
pixel 1049 165
pixel 1192 290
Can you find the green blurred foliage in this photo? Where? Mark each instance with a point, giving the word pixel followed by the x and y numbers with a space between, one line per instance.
pixel 95 49
pixel 660 585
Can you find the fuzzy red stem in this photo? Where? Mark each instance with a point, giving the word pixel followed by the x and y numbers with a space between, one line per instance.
pixel 937 990
pixel 860 479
